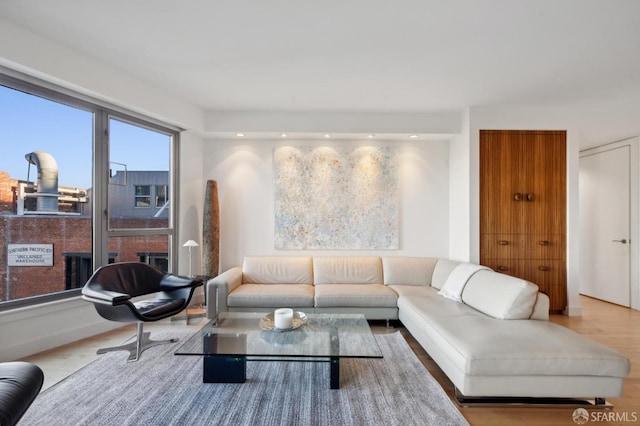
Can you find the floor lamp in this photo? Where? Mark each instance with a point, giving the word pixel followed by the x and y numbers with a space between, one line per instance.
pixel 190 244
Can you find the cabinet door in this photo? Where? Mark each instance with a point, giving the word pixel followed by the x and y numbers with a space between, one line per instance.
pixel 543 181
pixel 502 246
pixel 513 267
pixel 550 277
pixel 500 213
pixel 544 246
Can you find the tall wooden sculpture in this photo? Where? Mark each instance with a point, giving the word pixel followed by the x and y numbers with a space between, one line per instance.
pixel 211 230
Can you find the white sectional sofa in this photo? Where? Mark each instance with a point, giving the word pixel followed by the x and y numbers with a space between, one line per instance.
pixel 487 331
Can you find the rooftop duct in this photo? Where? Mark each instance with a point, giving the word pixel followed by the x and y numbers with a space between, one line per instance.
pixel 47 195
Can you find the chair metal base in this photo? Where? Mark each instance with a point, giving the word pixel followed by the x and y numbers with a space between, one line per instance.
pixel 135 348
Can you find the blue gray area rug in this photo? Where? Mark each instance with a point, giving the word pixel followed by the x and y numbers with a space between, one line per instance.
pixel 164 389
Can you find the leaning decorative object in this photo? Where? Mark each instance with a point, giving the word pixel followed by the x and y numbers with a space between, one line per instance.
pixel 283 319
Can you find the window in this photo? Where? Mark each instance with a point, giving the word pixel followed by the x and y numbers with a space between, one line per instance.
pixel 159 260
pixel 161 196
pixel 143 196
pixel 78 268
pixel 114 160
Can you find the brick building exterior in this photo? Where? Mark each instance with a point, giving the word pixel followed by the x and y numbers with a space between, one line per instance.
pixel 71 239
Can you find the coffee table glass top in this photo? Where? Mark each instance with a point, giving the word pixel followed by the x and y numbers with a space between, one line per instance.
pixel 323 335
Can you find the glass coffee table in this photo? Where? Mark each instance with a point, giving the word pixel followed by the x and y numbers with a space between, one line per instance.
pixel 235 338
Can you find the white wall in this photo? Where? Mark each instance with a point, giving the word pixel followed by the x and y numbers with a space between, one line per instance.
pixel 459 194
pixel 244 172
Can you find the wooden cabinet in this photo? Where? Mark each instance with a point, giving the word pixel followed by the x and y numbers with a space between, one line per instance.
pixel 523 207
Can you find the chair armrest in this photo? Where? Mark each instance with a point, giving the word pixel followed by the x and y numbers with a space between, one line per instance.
pixel 95 293
pixel 173 282
pixel 220 287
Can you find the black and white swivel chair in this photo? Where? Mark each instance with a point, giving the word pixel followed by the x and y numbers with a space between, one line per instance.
pixel 112 289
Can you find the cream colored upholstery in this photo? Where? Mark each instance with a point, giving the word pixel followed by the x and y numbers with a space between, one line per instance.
pixel 277 270
pixel 400 270
pixel 495 341
pixel 269 295
pixel 347 270
pixel 500 296
pixel 441 272
pixel 356 295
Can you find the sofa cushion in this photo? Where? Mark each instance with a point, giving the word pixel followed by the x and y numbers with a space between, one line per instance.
pixel 277 270
pixel 355 295
pixel 347 270
pixel 500 296
pixel 441 272
pixel 413 291
pixel 431 307
pixel 485 346
pixel 458 278
pixel 272 296
pixel 411 271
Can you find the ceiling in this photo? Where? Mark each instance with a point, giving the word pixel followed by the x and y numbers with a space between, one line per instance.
pixel 377 56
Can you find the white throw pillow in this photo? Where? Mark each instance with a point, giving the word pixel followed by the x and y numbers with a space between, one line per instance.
pixel 457 279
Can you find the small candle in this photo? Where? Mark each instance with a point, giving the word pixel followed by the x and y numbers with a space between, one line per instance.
pixel 283 318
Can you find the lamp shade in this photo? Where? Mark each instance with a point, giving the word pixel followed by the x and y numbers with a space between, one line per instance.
pixel 190 243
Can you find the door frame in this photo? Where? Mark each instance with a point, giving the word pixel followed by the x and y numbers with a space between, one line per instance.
pixel 634 207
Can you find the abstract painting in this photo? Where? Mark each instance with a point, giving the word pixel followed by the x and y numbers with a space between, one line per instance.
pixel 336 198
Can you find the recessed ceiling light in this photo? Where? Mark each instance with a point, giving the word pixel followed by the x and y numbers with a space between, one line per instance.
pixel 413 136
pixel 284 135
pixel 370 136
pixel 240 135
pixel 327 135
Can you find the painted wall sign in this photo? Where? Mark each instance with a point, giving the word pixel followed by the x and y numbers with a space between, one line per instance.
pixel 30 255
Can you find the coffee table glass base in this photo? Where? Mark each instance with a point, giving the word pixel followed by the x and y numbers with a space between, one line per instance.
pixel 226 345
pixel 224 369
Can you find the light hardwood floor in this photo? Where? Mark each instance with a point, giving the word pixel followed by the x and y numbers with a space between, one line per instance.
pixel 614 326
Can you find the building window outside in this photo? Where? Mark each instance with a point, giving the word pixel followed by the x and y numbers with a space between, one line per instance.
pixel 48 129
pixel 143 196
pixel 161 195
pixel 158 260
pixel 78 268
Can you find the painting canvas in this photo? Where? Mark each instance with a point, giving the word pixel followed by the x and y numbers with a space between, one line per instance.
pixel 336 198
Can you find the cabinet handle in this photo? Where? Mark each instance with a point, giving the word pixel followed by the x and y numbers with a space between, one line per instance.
pixel 544 242
pixel 543 268
pixel 503 242
pixel 517 196
pixel 502 268
pixel 531 197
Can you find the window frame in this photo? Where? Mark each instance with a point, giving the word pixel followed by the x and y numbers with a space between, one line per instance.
pixel 102 112
pixel 137 197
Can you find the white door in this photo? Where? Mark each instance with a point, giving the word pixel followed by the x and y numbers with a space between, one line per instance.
pixel 604 224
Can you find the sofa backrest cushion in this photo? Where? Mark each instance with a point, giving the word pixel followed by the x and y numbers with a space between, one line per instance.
pixel 347 270
pixel 400 270
pixel 277 270
pixel 500 296
pixel 441 272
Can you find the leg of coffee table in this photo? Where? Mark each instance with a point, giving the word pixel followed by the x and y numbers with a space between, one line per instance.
pixel 224 369
pixel 335 372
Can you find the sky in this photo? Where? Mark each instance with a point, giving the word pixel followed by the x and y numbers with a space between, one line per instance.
pixel 29 123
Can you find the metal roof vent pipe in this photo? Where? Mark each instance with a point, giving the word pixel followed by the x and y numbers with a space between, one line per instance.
pixel 47 195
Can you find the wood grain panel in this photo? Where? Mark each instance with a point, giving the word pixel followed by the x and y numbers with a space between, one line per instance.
pixel 550 276
pixel 502 246
pixel 499 158
pixel 523 207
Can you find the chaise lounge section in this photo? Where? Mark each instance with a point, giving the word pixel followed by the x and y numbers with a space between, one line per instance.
pixel 487 331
